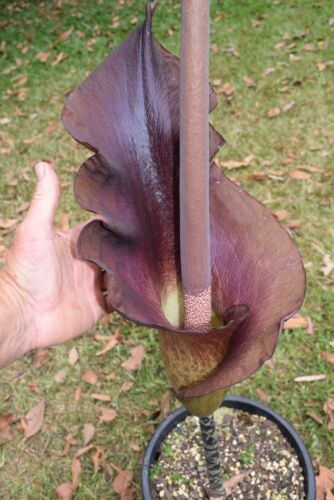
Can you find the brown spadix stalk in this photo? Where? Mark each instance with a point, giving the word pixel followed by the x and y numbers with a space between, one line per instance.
pixel 194 195
pixel 194 164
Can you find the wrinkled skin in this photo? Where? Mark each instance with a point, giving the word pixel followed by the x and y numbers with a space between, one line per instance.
pixel 127 112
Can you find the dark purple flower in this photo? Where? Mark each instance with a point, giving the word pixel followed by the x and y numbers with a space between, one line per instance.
pixel 127 113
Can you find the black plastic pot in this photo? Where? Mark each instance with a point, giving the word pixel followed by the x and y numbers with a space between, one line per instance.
pixel 238 403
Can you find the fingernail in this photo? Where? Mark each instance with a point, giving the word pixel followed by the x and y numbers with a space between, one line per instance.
pixel 40 170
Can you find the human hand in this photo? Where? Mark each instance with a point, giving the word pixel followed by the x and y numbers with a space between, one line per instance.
pixel 58 295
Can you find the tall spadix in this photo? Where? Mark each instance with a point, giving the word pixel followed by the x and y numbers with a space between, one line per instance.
pixel 194 164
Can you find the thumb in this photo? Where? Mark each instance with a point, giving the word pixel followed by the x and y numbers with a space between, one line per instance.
pixel 46 197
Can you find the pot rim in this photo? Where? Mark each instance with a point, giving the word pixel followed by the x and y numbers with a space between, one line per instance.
pixel 238 403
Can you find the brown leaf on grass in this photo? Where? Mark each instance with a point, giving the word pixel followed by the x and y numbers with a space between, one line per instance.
pixel 101 397
pixel 309 47
pixel 272 113
pixel 73 356
pixel 5 423
pixel 325 483
pixel 8 223
pixel 310 378
pixel 135 447
pixel 126 386
pixel 70 441
pixel 88 433
pixel 122 484
pixel 232 164
pixel 39 358
pixel 77 394
pixel 107 414
pixel 328 265
pixel 296 321
pixel 312 169
pixel 226 89
pixel 288 106
pixel 89 377
pixel 110 345
pixel 293 224
pixel 329 409
pixel 33 420
pixel 321 66
pixel 231 483
pixel 84 450
pixel 76 471
pixel 281 214
pixel 64 491
pixel 249 82
pixel 328 356
pixel 136 359
pixel 65 35
pixel 300 175
pixel 164 407
pixel 258 176
pixel 97 457
pixel 262 395
pixel 60 57
pixel 43 56
pixel 314 417
pixel 60 376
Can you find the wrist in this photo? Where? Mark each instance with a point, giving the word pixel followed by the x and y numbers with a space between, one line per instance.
pixel 16 319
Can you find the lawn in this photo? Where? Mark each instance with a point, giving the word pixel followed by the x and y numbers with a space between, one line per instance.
pixel 272 64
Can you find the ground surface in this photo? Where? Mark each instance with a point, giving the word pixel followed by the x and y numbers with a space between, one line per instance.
pixel 272 63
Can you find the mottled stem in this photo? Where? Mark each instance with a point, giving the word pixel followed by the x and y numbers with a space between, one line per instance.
pixel 211 451
pixel 194 164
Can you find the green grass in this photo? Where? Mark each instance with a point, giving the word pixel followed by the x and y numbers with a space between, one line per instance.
pixel 249 30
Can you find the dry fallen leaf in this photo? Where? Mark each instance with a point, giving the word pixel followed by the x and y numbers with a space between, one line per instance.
pixel 126 386
pixel 315 417
pixel 70 441
pixel 281 214
pixel 107 414
pixel 122 484
pixel 263 396
pixel 328 265
pixel 60 376
pixel 84 450
pixel 40 356
pixel 111 344
pixel 325 483
pixel 135 447
pixel 43 56
pixel 328 356
pixel 5 422
pixel 33 420
pixel 77 394
pixel 233 164
pixel 300 175
pixel 249 82
pixel 97 456
pixel 329 409
pixel 295 322
pixel 134 362
pixel 101 397
pixel 64 491
pixel 234 481
pixel 8 223
pixel 73 356
pixel 272 113
pixel 88 433
pixel 76 471
pixel 310 378
pixel 90 377
pixel 164 407
pixel 60 57
pixel 309 47
pixel 226 89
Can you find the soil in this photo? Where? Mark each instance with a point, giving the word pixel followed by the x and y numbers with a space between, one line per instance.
pixel 249 444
